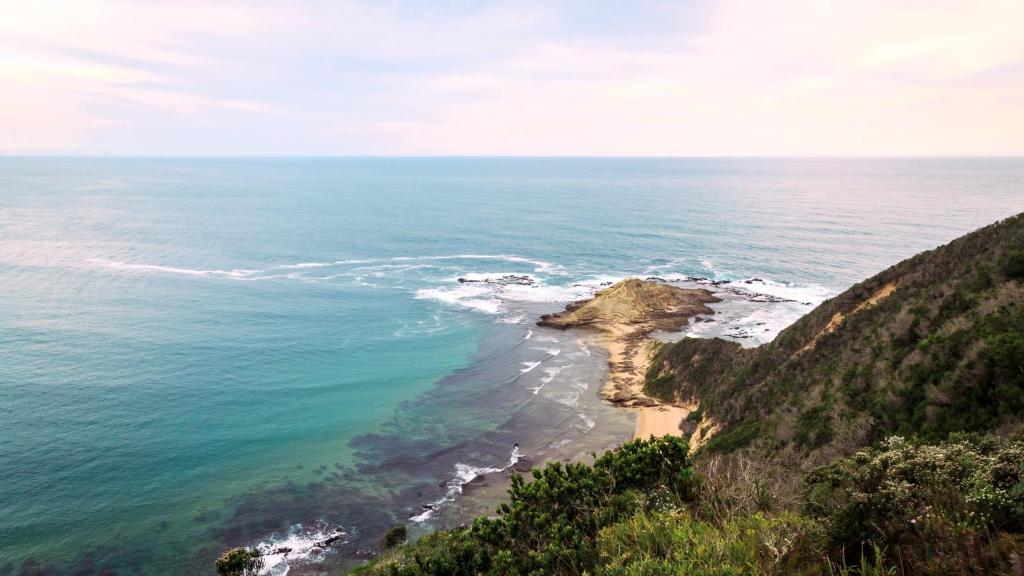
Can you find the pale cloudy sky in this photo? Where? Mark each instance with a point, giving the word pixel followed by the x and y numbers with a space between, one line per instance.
pixel 730 77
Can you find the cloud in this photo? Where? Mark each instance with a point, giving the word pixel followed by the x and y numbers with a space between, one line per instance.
pixel 759 78
pixel 729 77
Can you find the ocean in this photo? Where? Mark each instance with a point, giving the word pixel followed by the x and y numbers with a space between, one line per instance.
pixel 203 353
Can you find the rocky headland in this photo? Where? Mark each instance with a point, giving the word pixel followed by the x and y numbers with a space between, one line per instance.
pixel 623 316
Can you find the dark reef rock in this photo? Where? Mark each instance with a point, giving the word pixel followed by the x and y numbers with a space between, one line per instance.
pixel 508 279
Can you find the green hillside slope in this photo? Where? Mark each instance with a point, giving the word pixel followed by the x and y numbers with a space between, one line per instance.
pixel 933 345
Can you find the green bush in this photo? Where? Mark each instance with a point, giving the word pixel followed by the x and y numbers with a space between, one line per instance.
pixel 813 427
pixel 550 524
pixel 925 503
pixel 395 536
pixel 239 562
pixel 733 439
pixel 1013 266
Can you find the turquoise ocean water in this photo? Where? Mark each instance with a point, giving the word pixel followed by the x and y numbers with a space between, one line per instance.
pixel 197 353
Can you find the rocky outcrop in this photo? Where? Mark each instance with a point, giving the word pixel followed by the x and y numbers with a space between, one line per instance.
pixel 624 315
pixel 643 305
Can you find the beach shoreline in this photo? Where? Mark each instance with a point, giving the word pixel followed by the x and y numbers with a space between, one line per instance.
pixel 621 320
pixel 629 356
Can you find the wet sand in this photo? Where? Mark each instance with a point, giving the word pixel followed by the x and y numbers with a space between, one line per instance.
pixel 629 355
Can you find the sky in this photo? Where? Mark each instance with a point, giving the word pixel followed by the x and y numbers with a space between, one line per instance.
pixel 624 78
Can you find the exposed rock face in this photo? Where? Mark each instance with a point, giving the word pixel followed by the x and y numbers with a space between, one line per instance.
pixel 642 304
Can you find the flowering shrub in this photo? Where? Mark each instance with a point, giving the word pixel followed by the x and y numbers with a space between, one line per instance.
pixel 937 505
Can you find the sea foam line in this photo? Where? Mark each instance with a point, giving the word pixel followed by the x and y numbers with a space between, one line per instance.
pixel 298 544
pixel 540 266
pixel 464 474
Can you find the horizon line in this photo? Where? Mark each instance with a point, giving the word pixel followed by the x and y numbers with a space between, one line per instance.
pixel 513 156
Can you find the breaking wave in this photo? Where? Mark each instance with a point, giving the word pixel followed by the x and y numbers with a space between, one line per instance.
pixel 464 474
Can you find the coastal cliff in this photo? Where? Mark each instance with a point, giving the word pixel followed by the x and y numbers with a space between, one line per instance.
pixel 624 315
pixel 931 346
pixel 880 434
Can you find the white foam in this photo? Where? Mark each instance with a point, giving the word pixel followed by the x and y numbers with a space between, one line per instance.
pixel 669 266
pixel 812 294
pixel 237 273
pixel 419 327
pixel 464 474
pixel 514 319
pixel 494 296
pixel 743 318
pixel 474 296
pixel 550 339
pixel 491 277
pixel 549 351
pixel 540 266
pixel 549 374
pixel 304 544
pixel 583 347
pixel 528 366
pixel 587 423
pixel 303 265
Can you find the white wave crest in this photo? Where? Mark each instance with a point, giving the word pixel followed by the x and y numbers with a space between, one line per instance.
pixel 812 294
pixel 514 319
pixel 474 296
pixel 549 374
pixel 494 297
pixel 464 474
pixel 754 311
pixel 528 366
pixel 113 264
pixel 586 422
pixel 299 544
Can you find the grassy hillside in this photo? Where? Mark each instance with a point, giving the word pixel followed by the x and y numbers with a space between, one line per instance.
pixel 931 346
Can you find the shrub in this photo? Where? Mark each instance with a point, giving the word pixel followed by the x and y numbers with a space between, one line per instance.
pixel 1013 266
pixel 550 524
pixel 928 504
pixel 239 562
pixel 396 536
pixel 740 436
pixel 678 544
pixel 813 427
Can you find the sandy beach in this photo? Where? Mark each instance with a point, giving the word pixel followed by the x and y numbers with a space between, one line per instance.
pixel 629 355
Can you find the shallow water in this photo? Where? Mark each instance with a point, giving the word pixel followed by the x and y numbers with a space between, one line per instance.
pixel 203 353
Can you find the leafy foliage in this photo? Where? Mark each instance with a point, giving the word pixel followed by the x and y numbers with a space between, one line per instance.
pixel 550 525
pixel 923 502
pixel 239 562
pixel 679 545
pixel 395 536
pixel 1014 265
pixel 926 509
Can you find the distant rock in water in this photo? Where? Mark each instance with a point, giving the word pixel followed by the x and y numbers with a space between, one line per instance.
pixel 635 302
pixel 508 279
